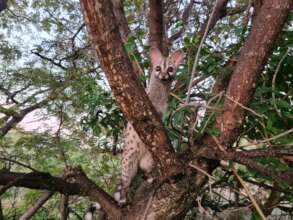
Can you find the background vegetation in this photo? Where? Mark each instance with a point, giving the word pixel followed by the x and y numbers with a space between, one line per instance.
pixel 57 109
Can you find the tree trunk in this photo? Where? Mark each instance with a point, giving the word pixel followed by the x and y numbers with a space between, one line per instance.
pixel 173 194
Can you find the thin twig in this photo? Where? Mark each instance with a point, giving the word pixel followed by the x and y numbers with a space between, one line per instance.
pixel 274 82
pixel 244 107
pixel 269 139
pixel 218 143
pixel 202 171
pixel 218 97
pixel 258 209
pixel 150 200
pixel 193 71
pixel 19 163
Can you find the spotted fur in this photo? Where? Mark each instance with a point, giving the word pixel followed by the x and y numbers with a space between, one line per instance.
pixel 135 154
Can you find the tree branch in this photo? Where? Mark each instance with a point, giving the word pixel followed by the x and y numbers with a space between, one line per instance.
pixel 275 174
pixel 120 17
pixel 82 186
pixel 39 180
pixel 19 116
pixel 90 189
pixel 184 19
pixel 51 60
pixel 245 158
pixel 129 93
pixel 268 152
pixel 36 206
pixel 156 26
pixel 220 12
pixel 252 59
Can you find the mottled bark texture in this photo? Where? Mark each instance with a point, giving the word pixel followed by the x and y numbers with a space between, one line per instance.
pixel 129 93
pixel 266 26
pixel 122 22
pixel 166 201
pixel 157 28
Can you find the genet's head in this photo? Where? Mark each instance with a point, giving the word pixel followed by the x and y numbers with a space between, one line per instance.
pixel 165 68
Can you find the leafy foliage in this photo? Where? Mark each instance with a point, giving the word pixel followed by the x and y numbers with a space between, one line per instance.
pixel 45 54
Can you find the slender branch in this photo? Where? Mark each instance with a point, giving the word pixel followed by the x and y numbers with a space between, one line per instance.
pixel 194 67
pixel 77 32
pixel 267 171
pixel 268 152
pixel 184 19
pixel 156 24
pixel 261 142
pixel 51 60
pixel 17 118
pixel 90 189
pixel 219 12
pixel 19 163
pixel 245 158
pixel 36 206
pixel 251 197
pixel 244 107
pixel 274 82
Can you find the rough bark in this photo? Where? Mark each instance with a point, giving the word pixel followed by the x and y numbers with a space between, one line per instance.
pixel 139 111
pixel 122 22
pixel 129 93
pixel 124 30
pixel 83 186
pixel 254 54
pixel 266 26
pixel 157 27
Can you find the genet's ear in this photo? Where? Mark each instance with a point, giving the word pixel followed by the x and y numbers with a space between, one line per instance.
pixel 155 55
pixel 177 57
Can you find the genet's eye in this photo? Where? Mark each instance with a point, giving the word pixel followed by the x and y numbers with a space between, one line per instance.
pixel 158 68
pixel 170 69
